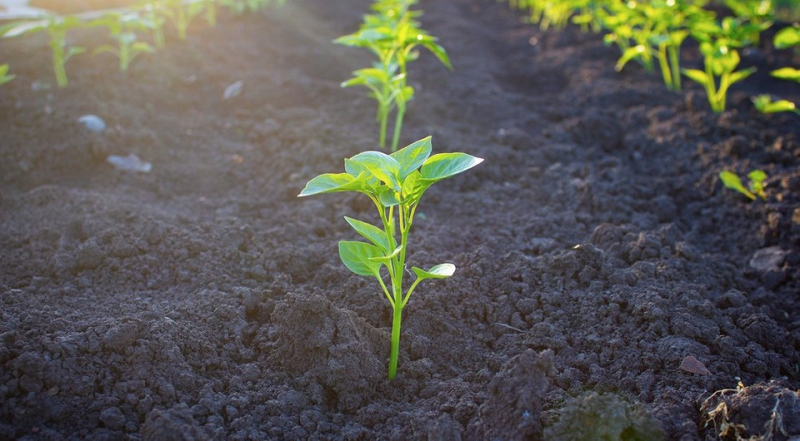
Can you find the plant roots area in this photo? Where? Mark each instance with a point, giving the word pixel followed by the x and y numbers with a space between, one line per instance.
pixel 608 285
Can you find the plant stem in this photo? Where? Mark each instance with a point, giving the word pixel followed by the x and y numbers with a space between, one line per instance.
pixel 383 116
pixel 676 68
pixel 124 57
pixel 398 125
pixel 711 88
pixel 398 317
pixel 665 68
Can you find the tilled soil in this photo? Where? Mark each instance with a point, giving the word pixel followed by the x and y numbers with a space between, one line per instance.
pixel 596 248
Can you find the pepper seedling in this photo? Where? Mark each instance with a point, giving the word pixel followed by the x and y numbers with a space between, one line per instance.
pixel 154 15
pixel 720 59
pixel 395 184
pixel 122 28
pixel 181 14
pixel 56 27
pixel 755 188
pixel 392 35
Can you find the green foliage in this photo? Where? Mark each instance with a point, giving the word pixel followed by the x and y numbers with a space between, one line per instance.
pixel 787 37
pixel 765 104
pixel 180 13
pixel 4 75
pixel 787 73
pixel 717 44
pixel 56 28
pixel 242 6
pixel 653 31
pixel 154 15
pixel 395 184
pixel 393 35
pixel 122 27
pixel 755 188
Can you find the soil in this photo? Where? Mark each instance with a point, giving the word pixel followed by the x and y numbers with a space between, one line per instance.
pixel 607 284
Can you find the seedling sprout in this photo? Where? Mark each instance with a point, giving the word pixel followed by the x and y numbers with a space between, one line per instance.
pixel 755 188
pixel 395 184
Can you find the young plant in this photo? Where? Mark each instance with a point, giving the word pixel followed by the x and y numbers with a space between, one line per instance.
pixel 755 187
pixel 388 88
pixel 720 60
pixel 123 27
pixel 154 16
pixel 395 184
pixel 56 28
pixel 765 104
pixel 4 75
pixel 181 14
pixel 393 36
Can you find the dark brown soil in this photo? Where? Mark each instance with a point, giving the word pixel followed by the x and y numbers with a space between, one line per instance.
pixel 596 248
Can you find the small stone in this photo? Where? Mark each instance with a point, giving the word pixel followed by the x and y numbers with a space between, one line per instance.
pixel 693 365
pixel 768 259
pixel 93 123
pixel 233 90
pixel 113 418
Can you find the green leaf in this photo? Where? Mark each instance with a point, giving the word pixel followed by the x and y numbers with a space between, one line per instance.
pixel 72 51
pixel 438 51
pixel 413 187
pixel 732 181
pixel 357 257
pixel 370 232
pixel 372 75
pixel 628 55
pixel 4 76
pixel 741 75
pixel 787 37
pixel 764 104
pixel 405 95
pixel 696 75
pixel 381 165
pixel 442 271
pixel 444 165
pixel 387 259
pixel 334 182
pixel 141 46
pixel 388 197
pixel 757 176
pixel 105 48
pixel 412 156
pixel 787 73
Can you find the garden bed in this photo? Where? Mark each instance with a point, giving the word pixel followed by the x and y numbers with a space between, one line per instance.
pixel 596 248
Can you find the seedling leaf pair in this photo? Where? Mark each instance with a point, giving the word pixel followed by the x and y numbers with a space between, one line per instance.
pixel 756 187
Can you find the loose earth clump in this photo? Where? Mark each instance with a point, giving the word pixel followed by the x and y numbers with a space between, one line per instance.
pixel 597 249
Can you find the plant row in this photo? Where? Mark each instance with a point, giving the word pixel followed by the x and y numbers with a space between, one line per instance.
pixel 651 32
pixel 125 28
